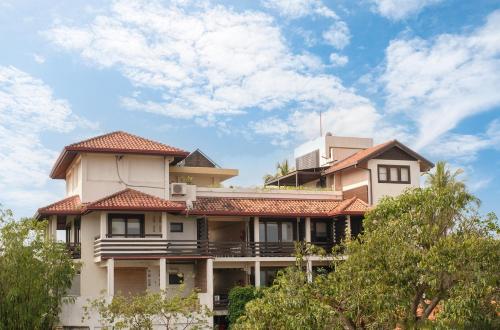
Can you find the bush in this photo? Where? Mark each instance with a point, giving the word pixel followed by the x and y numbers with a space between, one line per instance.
pixel 238 298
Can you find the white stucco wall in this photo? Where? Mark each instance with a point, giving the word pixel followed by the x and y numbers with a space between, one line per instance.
pixel 100 178
pixel 392 189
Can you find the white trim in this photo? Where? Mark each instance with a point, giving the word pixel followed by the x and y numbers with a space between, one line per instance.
pixel 355 185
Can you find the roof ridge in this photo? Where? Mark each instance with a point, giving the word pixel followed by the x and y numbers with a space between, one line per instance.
pixel 94 138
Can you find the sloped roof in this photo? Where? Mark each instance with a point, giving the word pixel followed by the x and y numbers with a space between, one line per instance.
pixel 114 142
pixel 372 152
pixel 271 207
pixel 68 206
pixel 134 200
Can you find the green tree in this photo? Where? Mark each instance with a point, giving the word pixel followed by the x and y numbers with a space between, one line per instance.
pixel 426 254
pixel 239 296
pixel 35 274
pixel 282 168
pixel 142 311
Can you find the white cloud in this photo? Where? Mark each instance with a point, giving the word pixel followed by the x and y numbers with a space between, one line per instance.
pixel 465 147
pixel 205 63
pixel 400 9
pixel 338 60
pixel 40 59
pixel 439 83
pixel 337 35
pixel 27 109
pixel 300 8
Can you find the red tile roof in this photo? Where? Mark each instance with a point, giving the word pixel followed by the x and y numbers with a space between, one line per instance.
pixel 114 142
pixel 269 207
pixel 133 200
pixel 368 153
pixel 353 205
pixel 124 142
pixel 67 206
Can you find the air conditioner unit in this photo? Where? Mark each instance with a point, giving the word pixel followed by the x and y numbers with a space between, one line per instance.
pixel 178 189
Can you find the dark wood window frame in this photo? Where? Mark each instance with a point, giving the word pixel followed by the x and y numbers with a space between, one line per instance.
pixel 280 233
pixel 125 217
pixel 181 230
pixel 388 173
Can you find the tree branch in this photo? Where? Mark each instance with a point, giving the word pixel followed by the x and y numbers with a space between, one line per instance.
pixel 431 306
pixel 416 301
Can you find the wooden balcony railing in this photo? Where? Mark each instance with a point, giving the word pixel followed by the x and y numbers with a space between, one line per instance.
pixel 150 247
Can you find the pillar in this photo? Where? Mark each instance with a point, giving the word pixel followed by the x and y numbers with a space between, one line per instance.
pixel 163 274
pixel 308 229
pixel 53 227
pixel 257 274
pixel 164 228
pixel 210 282
pixel 309 271
pixel 111 276
pixel 104 224
pixel 256 237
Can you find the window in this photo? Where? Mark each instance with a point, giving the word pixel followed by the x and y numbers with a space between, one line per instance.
pixel 274 231
pixel 176 227
pixel 393 174
pixel 175 278
pixel 320 229
pixel 126 225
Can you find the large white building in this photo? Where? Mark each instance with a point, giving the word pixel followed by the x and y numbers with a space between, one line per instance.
pixel 141 215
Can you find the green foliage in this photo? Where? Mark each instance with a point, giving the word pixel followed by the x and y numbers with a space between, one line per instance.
pixel 142 311
pixel 35 274
pixel 238 297
pixel 282 168
pixel 427 258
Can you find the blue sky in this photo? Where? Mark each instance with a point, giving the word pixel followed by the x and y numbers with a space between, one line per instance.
pixel 244 81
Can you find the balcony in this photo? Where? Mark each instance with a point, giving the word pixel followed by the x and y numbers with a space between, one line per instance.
pixel 150 247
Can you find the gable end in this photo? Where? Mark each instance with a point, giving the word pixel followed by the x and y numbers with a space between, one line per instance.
pixel 395 153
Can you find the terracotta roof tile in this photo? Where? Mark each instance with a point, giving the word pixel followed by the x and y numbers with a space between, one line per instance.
pixel 124 142
pixel 265 207
pixel 133 200
pixel 67 206
pixel 114 142
pixel 353 205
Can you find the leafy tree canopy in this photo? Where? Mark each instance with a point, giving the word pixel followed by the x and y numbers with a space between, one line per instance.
pixel 426 259
pixel 143 311
pixel 35 274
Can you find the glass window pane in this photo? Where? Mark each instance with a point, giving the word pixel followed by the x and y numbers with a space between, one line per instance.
pixel 287 232
pixel 321 229
pixel 262 232
pixel 118 226
pixel 134 227
pixel 404 174
pixel 394 174
pixel 382 173
pixel 272 232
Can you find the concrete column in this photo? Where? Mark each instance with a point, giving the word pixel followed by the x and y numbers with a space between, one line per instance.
pixel 104 224
pixel 111 276
pixel 256 237
pixel 308 229
pixel 348 227
pixel 53 227
pixel 257 274
pixel 210 282
pixel 164 227
pixel 309 269
pixel 163 274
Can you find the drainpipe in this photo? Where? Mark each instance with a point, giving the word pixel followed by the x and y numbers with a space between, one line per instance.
pixel 370 186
